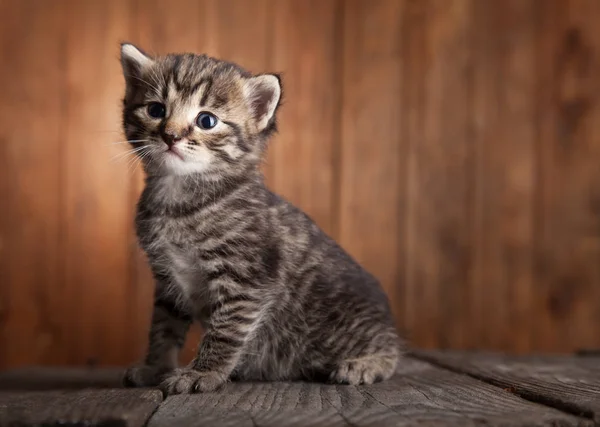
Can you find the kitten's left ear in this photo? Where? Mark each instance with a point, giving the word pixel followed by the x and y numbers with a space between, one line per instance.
pixel 133 61
pixel 263 94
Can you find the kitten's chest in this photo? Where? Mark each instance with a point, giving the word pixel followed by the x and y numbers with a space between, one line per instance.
pixel 172 248
pixel 185 271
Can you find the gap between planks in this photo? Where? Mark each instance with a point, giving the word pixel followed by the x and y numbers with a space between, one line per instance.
pixel 438 360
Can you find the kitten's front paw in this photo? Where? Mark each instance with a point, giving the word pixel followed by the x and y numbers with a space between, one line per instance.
pixel 183 381
pixel 143 376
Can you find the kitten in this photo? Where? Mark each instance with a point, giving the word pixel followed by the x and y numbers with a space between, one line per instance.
pixel 278 299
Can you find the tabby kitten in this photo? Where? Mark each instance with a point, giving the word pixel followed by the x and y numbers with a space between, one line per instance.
pixel 278 299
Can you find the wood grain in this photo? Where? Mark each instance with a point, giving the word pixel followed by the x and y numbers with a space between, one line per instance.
pixel 436 396
pixel 233 37
pixel 264 404
pixel 569 383
pixel 38 378
pixel 97 213
pixel 301 163
pixel 418 394
pixel 504 178
pixel 440 159
pixel 569 201
pixel 451 146
pixel 112 407
pixel 371 152
pixel 32 164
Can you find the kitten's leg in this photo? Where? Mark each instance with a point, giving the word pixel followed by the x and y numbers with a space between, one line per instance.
pixel 167 336
pixel 231 324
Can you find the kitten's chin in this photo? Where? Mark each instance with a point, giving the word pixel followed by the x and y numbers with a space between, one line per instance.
pixel 175 164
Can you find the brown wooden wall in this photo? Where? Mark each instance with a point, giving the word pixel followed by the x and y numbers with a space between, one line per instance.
pixel 452 146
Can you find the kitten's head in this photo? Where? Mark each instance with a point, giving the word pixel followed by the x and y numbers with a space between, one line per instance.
pixel 195 114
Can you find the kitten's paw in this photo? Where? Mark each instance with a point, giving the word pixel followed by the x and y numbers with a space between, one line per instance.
pixel 144 376
pixel 183 381
pixel 364 370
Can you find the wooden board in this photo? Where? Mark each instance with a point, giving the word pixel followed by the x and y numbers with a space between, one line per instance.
pixel 419 394
pixel 372 154
pixel 504 175
pixel 118 408
pixel 40 378
pixel 250 404
pixel 302 162
pixel 450 145
pixel 569 383
pixel 31 170
pixel 567 267
pixel 97 215
pixel 437 124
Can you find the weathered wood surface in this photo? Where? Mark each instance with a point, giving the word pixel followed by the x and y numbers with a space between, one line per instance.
pixel 569 383
pixel 418 394
pixel 108 407
pixel 39 378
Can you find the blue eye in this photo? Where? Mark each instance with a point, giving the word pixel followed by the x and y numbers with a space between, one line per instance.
pixel 206 121
pixel 156 110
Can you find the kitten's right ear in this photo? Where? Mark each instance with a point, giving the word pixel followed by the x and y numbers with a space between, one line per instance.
pixel 133 61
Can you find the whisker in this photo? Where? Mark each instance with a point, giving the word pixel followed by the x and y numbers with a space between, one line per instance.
pixel 131 163
pixel 145 154
pixel 131 151
pixel 127 142
pixel 132 167
pixel 142 157
pixel 119 156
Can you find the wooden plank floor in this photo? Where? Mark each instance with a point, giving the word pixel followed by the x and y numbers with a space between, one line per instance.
pixel 429 388
pixel 569 383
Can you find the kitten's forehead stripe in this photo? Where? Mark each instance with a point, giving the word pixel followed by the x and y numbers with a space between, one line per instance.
pixel 165 91
pixel 207 89
pixel 175 74
pixel 196 87
pixel 220 99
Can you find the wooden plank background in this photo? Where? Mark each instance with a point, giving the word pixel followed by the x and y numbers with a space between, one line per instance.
pixel 451 146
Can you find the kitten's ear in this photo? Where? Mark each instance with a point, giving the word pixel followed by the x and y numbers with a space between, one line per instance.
pixel 133 61
pixel 263 94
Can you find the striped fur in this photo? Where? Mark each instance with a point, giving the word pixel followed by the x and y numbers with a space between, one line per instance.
pixel 278 298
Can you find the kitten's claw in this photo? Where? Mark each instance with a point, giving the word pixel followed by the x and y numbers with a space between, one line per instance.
pixel 143 376
pixel 184 381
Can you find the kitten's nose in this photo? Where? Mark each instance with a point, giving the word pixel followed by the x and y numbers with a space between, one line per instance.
pixel 170 137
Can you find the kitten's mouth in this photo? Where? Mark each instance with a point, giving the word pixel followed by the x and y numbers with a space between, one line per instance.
pixel 173 151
